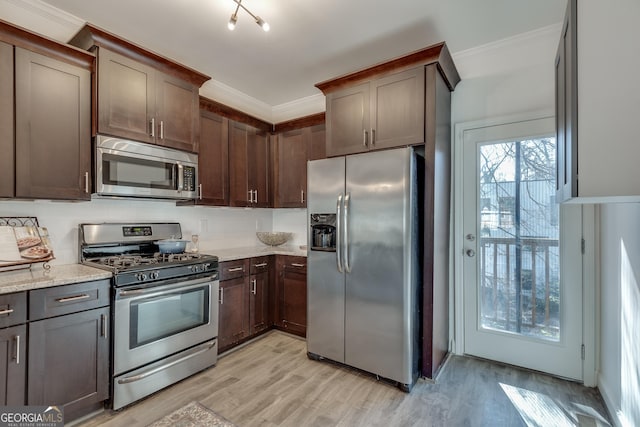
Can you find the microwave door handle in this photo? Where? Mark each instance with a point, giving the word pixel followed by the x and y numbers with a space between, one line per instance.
pixel 180 177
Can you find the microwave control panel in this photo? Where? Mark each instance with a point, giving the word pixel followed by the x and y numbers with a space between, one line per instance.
pixel 189 178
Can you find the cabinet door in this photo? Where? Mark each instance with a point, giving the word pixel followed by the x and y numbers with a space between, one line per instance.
pixel 177 113
pixel 7 146
pixel 69 361
pixel 259 302
pixel 13 366
pixel 53 128
pixel 238 174
pixel 233 316
pixel 293 295
pixel 397 109
pixel 348 120
pixel 291 169
pixel 567 109
pixel 317 144
pixel 258 167
pixel 213 158
pixel 126 101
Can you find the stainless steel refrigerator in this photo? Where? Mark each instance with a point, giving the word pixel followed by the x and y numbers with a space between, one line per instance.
pixel 364 272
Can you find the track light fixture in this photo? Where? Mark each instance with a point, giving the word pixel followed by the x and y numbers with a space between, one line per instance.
pixel 234 17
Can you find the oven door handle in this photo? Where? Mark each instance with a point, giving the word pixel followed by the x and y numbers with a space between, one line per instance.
pixel 164 289
pixel 202 348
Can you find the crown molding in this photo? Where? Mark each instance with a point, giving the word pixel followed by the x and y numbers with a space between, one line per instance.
pixel 231 97
pixel 302 107
pixel 42 18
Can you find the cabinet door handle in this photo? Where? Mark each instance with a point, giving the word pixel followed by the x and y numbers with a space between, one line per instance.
pixel 302 196
pixel 256 199
pixel 6 311
pixel 86 182
pixel 221 296
pixel 161 129
pixel 103 319
pixel 200 191
pixel 262 264
pixel 294 264
pixel 253 286
pixel 16 339
pixel 364 137
pixel 73 298
pixel 153 127
pixel 234 269
pixel 373 137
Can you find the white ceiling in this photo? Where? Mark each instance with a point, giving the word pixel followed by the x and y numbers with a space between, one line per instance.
pixel 310 40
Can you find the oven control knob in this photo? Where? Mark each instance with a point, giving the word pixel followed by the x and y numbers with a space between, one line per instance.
pixel 196 268
pixel 141 277
pixel 153 275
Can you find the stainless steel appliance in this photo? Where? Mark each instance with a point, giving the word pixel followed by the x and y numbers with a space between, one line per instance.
pixel 164 306
pixel 134 169
pixel 363 297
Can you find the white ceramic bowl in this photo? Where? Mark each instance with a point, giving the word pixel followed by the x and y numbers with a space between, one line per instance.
pixel 273 238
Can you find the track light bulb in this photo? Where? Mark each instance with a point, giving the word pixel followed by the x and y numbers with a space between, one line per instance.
pixel 265 25
pixel 232 22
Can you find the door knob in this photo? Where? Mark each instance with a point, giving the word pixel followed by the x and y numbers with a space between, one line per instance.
pixel 470 253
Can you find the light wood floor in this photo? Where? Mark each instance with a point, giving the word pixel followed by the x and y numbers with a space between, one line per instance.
pixel 271 382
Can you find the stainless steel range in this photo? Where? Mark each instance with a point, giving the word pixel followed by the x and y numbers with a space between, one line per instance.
pixel 164 306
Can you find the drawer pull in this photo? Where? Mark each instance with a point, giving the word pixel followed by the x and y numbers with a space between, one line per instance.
pixel 73 298
pixel 7 311
pixel 233 270
pixel 262 264
pixel 293 264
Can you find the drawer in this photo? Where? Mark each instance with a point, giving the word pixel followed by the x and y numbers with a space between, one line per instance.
pixel 260 264
pixel 234 269
pixel 59 300
pixel 295 263
pixel 13 309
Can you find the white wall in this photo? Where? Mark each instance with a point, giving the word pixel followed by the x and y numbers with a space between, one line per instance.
pixel 619 379
pixel 217 227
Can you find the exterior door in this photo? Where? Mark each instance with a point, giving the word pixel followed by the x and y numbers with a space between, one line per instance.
pixel 522 261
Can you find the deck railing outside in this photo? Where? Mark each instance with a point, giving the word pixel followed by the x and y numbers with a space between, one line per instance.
pixel 525 302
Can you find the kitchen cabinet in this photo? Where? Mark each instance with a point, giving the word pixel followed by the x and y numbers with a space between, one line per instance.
pixel 213 160
pixel 383 113
pixel 388 105
pixel 13 339
pixel 141 95
pixel 595 126
pixel 292 149
pixel 45 109
pixel 291 288
pixel 248 166
pixel 243 301
pixel 68 350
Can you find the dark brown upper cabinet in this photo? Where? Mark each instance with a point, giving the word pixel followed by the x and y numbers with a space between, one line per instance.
pixel 386 105
pixel 141 95
pixel 213 159
pixel 45 110
pixel 248 166
pixel 294 144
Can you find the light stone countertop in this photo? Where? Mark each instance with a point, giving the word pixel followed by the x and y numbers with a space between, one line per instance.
pixel 231 254
pixel 38 277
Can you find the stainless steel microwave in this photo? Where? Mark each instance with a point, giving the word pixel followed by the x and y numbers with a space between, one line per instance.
pixel 134 169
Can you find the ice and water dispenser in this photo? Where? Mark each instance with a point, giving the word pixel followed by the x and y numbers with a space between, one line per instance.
pixel 323 232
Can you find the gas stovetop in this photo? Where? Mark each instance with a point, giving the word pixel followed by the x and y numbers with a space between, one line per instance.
pixel 128 250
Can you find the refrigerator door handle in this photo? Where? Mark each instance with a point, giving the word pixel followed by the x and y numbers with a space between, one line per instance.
pixel 339 234
pixel 347 200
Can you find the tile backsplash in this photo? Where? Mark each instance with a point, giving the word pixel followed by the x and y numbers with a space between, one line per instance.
pixel 218 227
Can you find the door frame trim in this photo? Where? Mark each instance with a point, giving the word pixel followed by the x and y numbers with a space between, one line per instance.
pixel 590 318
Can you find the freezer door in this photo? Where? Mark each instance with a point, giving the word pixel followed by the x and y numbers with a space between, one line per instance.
pixel 325 283
pixel 380 283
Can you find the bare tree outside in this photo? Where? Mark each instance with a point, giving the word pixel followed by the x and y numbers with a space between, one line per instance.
pixel 519 257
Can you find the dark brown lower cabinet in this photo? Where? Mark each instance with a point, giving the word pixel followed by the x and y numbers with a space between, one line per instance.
pixel 68 362
pixel 259 318
pixel 13 366
pixel 233 316
pixel 292 294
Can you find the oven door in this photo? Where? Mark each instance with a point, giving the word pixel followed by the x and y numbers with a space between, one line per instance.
pixel 155 322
